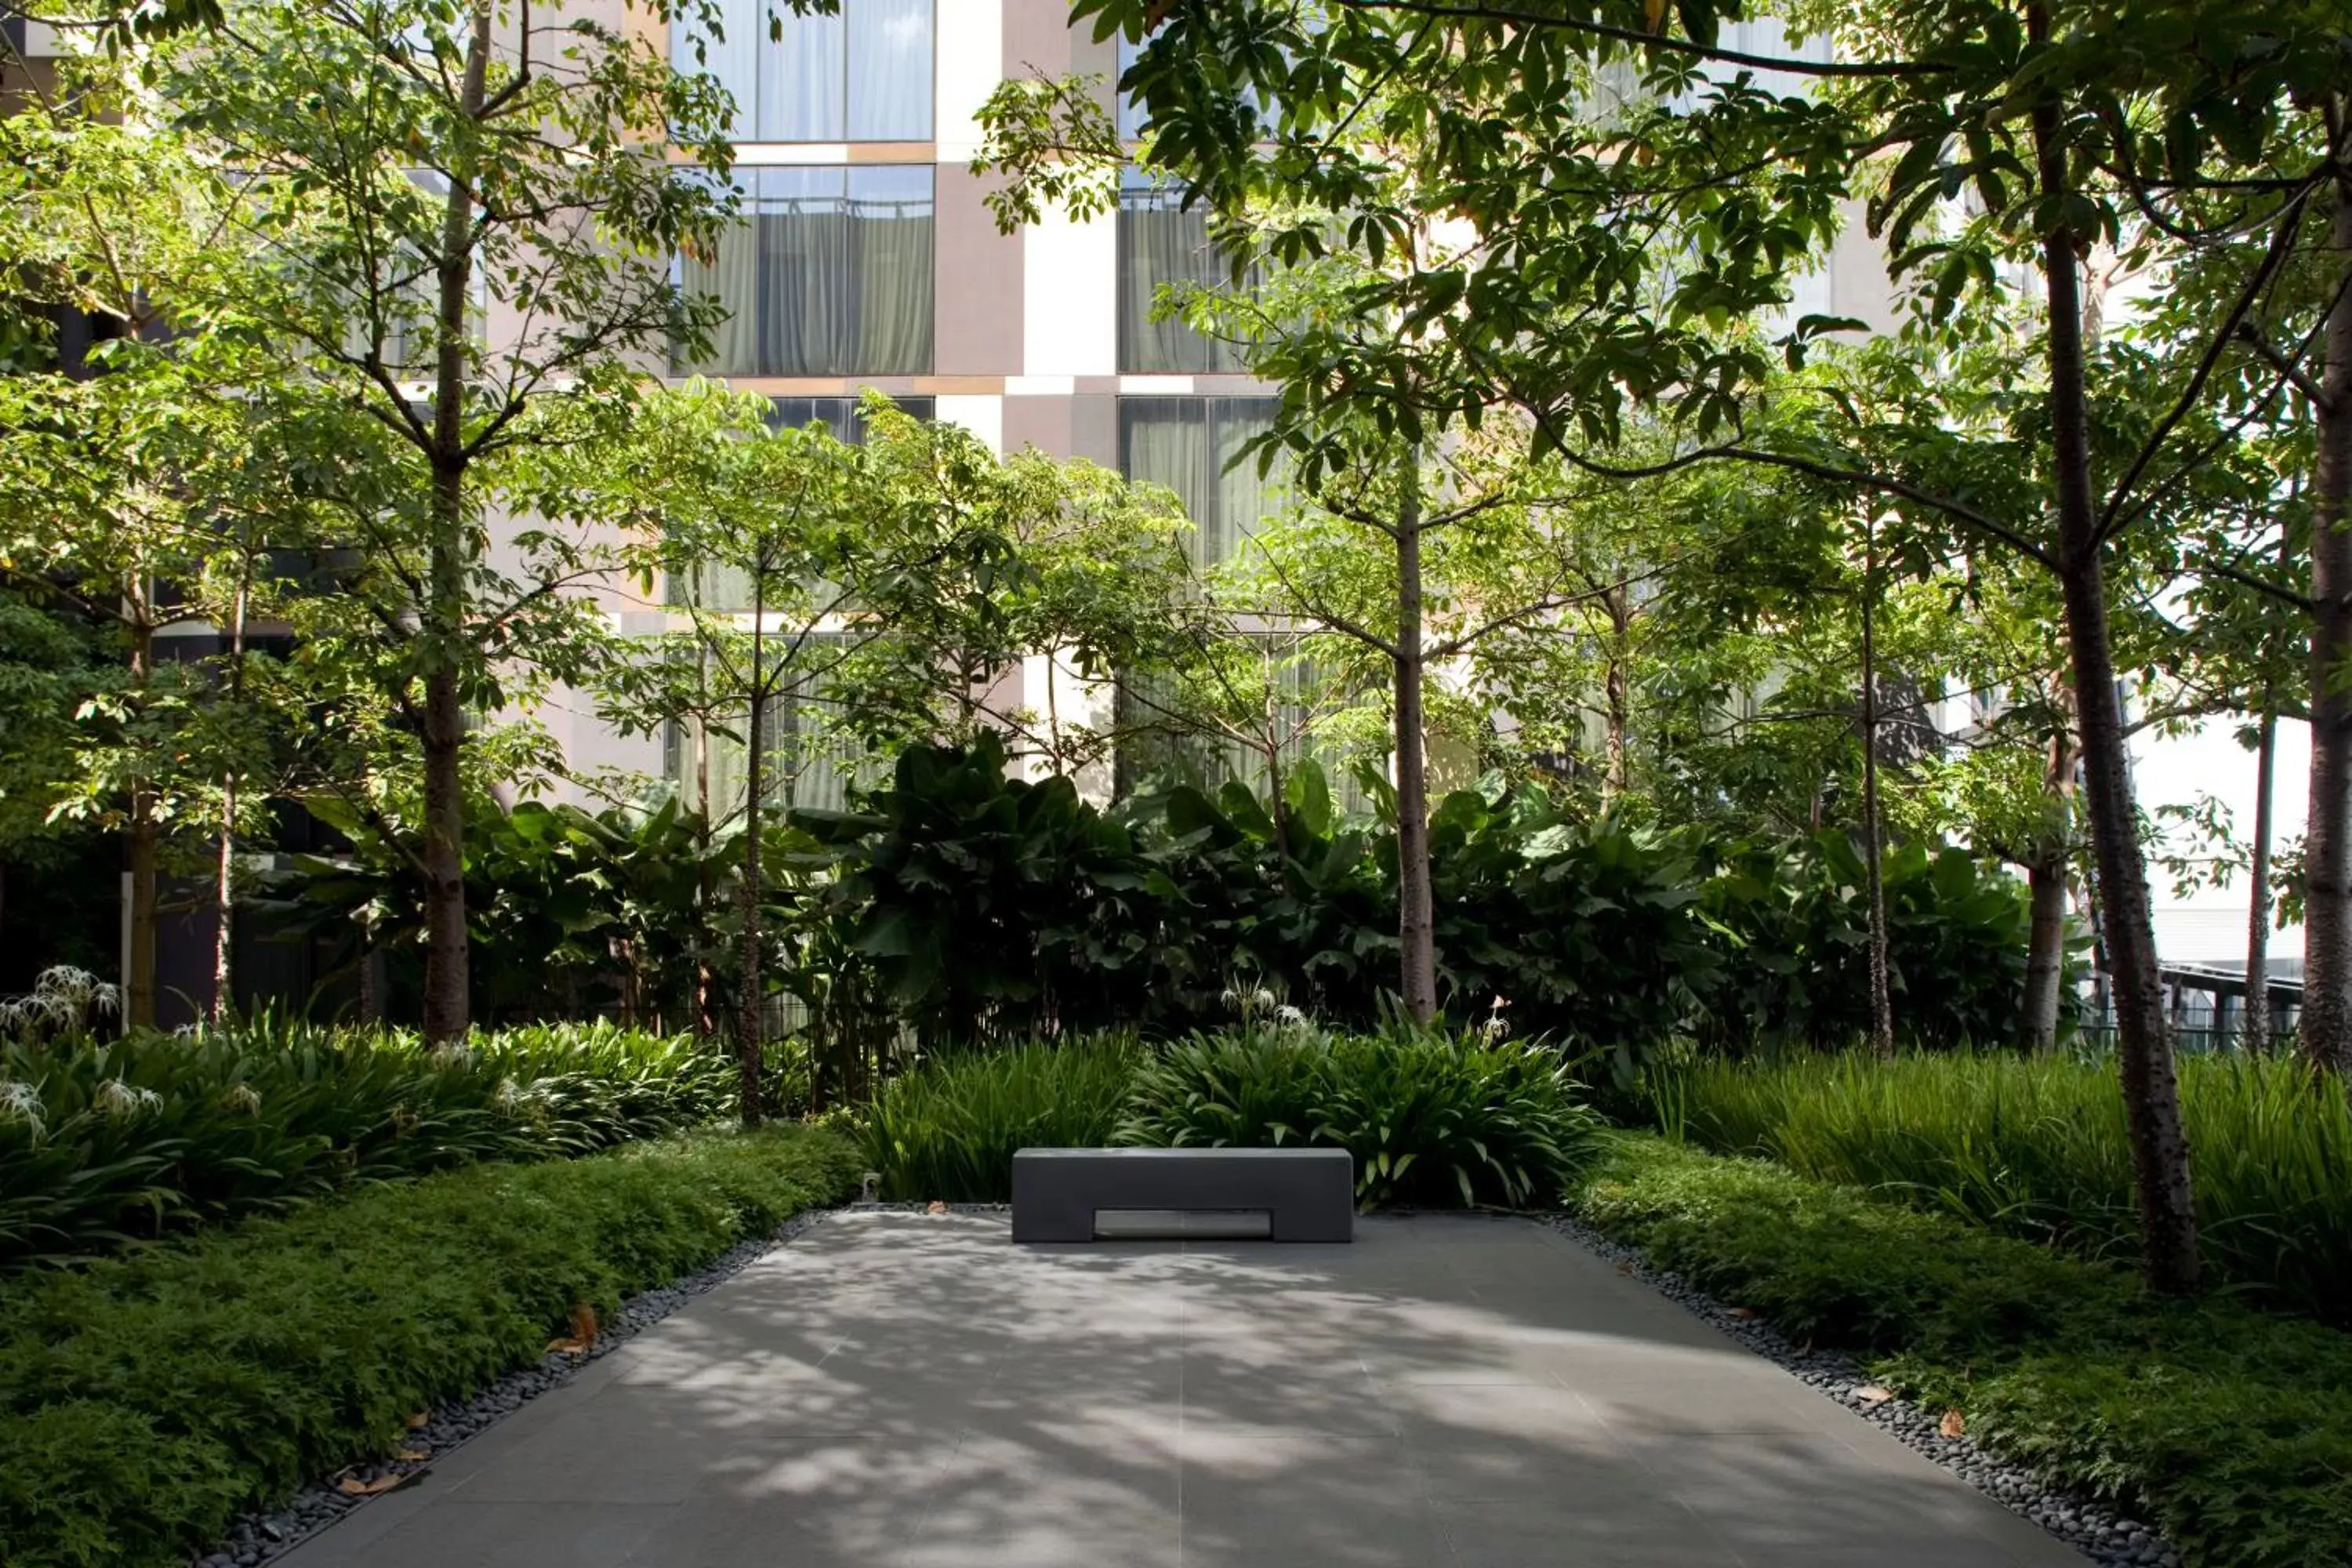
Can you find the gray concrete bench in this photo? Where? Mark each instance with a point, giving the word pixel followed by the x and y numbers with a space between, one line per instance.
pixel 1308 1195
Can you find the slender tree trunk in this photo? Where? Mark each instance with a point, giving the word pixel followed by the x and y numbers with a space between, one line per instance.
pixel 140 835
pixel 2150 1090
pixel 449 1003
pixel 1881 1001
pixel 139 988
pixel 2326 1030
pixel 1416 920
pixel 2257 1035
pixel 2046 875
pixel 750 1026
pixel 1620 702
pixel 2045 956
pixel 448 984
pixel 706 1005
pixel 224 884
pixel 371 978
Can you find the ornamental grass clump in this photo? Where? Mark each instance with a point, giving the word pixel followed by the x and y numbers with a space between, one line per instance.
pixel 104 1145
pixel 947 1130
pixel 2036 1147
pixel 1433 1117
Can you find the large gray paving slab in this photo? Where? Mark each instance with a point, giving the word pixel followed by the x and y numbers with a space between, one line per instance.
pixel 902 1391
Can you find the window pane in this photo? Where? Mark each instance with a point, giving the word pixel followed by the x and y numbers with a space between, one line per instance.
pixel 731 273
pixel 1243 499
pixel 732 58
pixel 801 76
pixel 1159 243
pixel 890 70
pixel 1185 443
pixel 891 209
pixel 829 273
pixel 1165 441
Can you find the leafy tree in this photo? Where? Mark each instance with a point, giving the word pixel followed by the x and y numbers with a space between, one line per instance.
pixel 469 237
pixel 764 535
pixel 977 565
pixel 1616 236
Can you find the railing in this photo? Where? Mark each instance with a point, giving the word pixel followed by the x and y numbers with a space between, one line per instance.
pixel 2207 1007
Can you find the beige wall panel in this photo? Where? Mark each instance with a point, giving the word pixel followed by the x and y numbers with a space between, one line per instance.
pixel 979 310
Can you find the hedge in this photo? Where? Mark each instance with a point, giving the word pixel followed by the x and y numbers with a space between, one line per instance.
pixel 2228 1429
pixel 145 1401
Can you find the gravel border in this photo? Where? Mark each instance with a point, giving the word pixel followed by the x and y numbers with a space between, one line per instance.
pixel 2095 1530
pixel 260 1536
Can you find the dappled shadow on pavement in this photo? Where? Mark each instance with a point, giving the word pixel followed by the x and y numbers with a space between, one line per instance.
pixel 914 1390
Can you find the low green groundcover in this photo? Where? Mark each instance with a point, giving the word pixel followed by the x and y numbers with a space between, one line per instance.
pixel 146 1400
pixel 2229 1428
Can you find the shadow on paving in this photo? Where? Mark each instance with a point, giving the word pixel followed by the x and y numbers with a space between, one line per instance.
pixel 914 1391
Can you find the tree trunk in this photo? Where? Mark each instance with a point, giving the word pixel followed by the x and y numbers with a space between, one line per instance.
pixel 1416 920
pixel 2327 1033
pixel 139 985
pixel 448 1004
pixel 2045 956
pixel 2257 1025
pixel 706 1007
pixel 448 986
pixel 1619 719
pixel 138 837
pixel 224 884
pixel 1882 1002
pixel 750 1026
pixel 2151 1091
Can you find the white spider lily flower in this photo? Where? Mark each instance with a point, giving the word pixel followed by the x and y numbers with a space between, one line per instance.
pixel 21 1102
pixel 242 1097
pixel 118 1099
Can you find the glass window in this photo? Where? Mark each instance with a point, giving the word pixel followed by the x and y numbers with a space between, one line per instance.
pixel 843 416
pixel 1193 446
pixel 863 74
pixel 828 273
pixel 1160 243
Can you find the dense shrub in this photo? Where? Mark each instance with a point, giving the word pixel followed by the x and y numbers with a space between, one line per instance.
pixel 2036 1147
pixel 106 1143
pixel 947 1130
pixel 144 1401
pixel 2230 1429
pixel 1431 1117
pixel 993 907
pixel 572 913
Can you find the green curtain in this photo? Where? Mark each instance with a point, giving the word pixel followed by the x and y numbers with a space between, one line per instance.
pixel 1244 499
pixel 895 229
pixel 1165 441
pixel 732 274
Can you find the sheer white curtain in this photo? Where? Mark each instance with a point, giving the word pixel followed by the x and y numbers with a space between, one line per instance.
pixel 889 69
pixel 800 79
pixel 731 57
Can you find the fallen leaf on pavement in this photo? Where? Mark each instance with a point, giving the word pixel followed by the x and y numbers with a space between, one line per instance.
pixel 354 1487
pixel 938 1207
pixel 1871 1394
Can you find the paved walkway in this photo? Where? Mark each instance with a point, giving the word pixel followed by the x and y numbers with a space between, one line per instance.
pixel 914 1391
